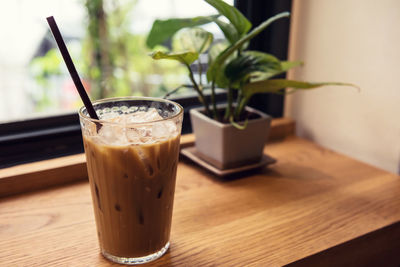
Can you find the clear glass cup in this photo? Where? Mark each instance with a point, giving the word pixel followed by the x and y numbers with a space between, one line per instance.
pixel 132 172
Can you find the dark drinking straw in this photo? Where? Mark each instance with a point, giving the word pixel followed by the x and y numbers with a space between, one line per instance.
pixel 71 67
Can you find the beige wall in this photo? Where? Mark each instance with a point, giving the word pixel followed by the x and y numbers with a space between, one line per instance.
pixel 355 41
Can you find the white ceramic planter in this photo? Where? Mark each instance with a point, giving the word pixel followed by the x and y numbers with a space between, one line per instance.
pixel 225 146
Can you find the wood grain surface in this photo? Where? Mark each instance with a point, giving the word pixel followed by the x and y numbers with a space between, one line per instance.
pixel 38 175
pixel 311 201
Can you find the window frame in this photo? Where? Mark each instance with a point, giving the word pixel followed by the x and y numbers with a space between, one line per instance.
pixel 60 135
pixel 274 40
pixel 54 136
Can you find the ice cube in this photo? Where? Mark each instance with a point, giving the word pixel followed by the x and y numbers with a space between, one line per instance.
pixel 112 135
pixel 160 131
pixel 138 135
pixel 164 130
pixel 109 116
pixel 172 128
pixel 133 135
pixel 144 116
pixel 146 162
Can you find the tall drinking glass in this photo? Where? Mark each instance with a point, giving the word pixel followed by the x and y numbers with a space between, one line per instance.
pixel 132 155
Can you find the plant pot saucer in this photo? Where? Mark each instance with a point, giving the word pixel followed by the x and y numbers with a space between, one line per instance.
pixel 191 153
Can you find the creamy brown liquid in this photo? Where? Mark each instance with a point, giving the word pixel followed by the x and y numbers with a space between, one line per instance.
pixel 132 190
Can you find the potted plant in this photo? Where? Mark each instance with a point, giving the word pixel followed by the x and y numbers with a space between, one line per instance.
pixel 234 134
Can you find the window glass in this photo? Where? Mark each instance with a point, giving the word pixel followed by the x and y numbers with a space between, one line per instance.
pixel 111 60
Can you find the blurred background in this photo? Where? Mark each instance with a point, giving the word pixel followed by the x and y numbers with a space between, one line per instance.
pixel 106 39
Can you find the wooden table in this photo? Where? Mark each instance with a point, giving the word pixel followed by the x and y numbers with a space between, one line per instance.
pixel 313 207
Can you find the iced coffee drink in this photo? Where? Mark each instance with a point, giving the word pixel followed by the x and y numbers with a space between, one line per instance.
pixel 132 154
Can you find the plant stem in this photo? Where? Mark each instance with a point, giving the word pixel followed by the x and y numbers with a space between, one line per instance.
pixel 241 105
pixel 237 125
pixel 200 71
pixel 238 101
pixel 228 109
pixel 213 102
pixel 199 92
pixel 173 91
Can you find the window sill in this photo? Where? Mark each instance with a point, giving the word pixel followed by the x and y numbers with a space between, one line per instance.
pixel 42 174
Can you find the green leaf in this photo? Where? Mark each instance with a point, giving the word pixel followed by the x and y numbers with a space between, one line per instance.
pixel 186 58
pixel 287 65
pixel 215 50
pixel 275 85
pixel 240 69
pixel 221 80
pixel 229 30
pixel 192 39
pixel 242 25
pixel 215 67
pixel 163 30
pixel 265 75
